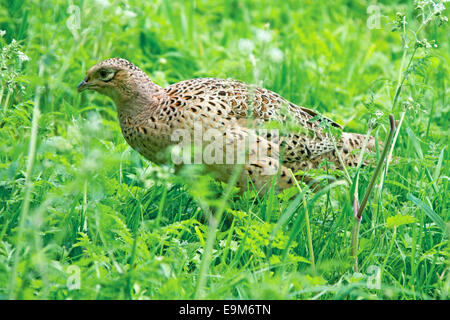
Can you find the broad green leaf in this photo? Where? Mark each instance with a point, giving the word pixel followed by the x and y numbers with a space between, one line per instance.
pixel 399 220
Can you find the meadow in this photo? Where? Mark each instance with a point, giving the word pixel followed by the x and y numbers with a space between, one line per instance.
pixel 83 216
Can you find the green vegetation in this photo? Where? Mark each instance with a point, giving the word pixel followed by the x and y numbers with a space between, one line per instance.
pixel 82 216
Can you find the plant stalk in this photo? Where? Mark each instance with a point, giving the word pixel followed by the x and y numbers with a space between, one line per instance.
pixel 359 209
pixel 27 197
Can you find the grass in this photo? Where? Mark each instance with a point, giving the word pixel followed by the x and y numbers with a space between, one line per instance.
pixel 82 216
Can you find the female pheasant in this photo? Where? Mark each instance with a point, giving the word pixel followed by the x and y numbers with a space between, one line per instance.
pixel 151 116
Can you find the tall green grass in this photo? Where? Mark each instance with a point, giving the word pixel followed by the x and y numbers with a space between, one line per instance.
pixel 82 216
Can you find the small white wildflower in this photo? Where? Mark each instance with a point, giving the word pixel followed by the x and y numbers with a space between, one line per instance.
pixel 129 14
pixel 59 143
pixel 246 45
pixel 276 55
pixel 103 3
pixel 2 33
pixel 233 246
pixel 125 13
pixel 22 56
pixel 438 8
pixel 263 35
pixel 162 60
pixel 92 161
pixel 94 122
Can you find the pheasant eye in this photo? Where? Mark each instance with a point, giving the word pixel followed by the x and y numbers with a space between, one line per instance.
pixel 106 75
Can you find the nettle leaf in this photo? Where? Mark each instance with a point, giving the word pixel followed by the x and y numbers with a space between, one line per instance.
pixel 237 213
pixel 316 280
pixel 399 220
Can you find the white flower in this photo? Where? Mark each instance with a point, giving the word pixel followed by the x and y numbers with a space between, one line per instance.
pixel 125 13
pixel 438 7
pixel 22 56
pixel 263 35
pixel 129 14
pixel 276 55
pixel 94 122
pixel 103 3
pixel 2 33
pixel 246 45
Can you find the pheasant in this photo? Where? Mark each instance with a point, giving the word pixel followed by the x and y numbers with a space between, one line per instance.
pixel 150 116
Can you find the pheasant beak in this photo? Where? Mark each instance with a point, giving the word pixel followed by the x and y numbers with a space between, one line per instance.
pixel 83 85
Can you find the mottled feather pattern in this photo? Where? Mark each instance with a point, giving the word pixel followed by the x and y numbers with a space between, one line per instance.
pixel 149 115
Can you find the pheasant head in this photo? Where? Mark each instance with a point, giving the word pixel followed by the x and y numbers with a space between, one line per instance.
pixel 127 85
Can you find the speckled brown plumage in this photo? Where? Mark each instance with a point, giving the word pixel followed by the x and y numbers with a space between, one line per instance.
pixel 149 115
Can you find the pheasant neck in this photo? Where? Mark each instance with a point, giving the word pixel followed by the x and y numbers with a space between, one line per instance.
pixel 143 96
